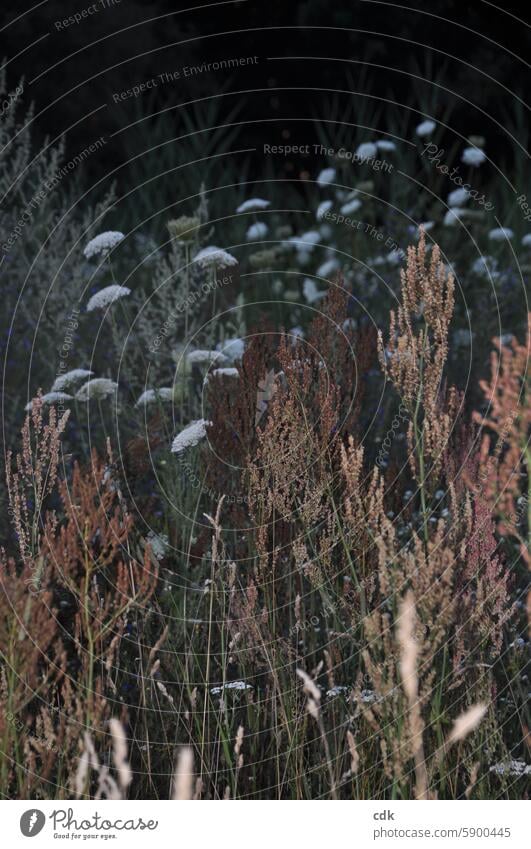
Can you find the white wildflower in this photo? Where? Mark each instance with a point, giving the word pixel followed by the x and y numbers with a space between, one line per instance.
pixel 327 268
pixel 367 150
pixel 259 230
pixel 190 436
pixel 70 378
pixel 458 197
pixel 107 296
pixel 253 205
pixel 228 371
pixel 51 398
pixel 386 145
pixel 201 357
pixel 231 685
pixel 164 393
pixel 485 266
pixel 453 216
pixel 158 543
pixel 351 206
pixel 326 176
pixel 96 389
pixel 213 257
pixel 526 240
pixel 473 156
pixel 336 691
pixel 103 243
pixel 500 234
pixel 426 128
pixel 232 349
pixel 322 209
pixel 310 291
pixel 511 767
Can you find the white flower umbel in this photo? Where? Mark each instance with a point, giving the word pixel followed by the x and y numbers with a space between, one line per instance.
pixel 473 156
pixel 51 398
pixel 526 240
pixel 458 197
pixel 70 378
pixel 511 767
pixel 151 396
pixel 425 128
pixel 323 208
pixel 231 685
pixel 158 543
pixel 107 296
pixel 310 291
pixel 201 357
pixel 228 371
pixel 213 257
pixel 453 216
pixel 500 234
pixel 386 145
pixel 259 230
pixel 232 349
pixel 351 206
pixel 103 243
pixel 96 389
pixel 190 436
pixel 326 176
pixel 367 150
pixel 253 205
pixel 327 268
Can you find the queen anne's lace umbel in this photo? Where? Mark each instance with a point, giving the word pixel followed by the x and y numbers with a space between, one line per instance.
pixel 103 243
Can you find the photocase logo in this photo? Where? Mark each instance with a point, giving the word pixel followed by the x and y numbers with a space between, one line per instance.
pixel 32 822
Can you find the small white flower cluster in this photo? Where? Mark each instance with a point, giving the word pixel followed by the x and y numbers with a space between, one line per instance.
pixel 107 296
pixel 231 685
pixel 164 393
pixel 326 176
pixel 213 257
pixel 70 378
pixel 253 205
pixel 473 156
pixel 201 357
pixel 512 767
pixel 425 128
pixel 256 231
pixel 50 398
pixel 232 349
pixel 96 389
pixel 190 436
pixel 223 372
pixel 158 543
pixel 500 234
pixel 103 243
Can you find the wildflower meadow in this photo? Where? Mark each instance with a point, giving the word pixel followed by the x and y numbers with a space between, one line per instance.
pixel 266 516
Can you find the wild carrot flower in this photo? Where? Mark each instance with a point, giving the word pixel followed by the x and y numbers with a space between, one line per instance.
pixel 107 296
pixel 70 378
pixel 473 156
pixel 327 268
pixel 259 230
pixel 213 257
pixel 500 234
pixel 184 228
pixel 190 436
pixel 526 240
pixel 350 206
pixel 457 197
pixel 232 349
pixel 201 357
pixel 310 291
pixel 326 176
pixel 230 371
pixel 103 243
pixel 150 396
pixel 425 128
pixel 386 145
pixel 322 209
pixel 96 389
pixel 367 150
pixel 253 205
pixel 51 398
